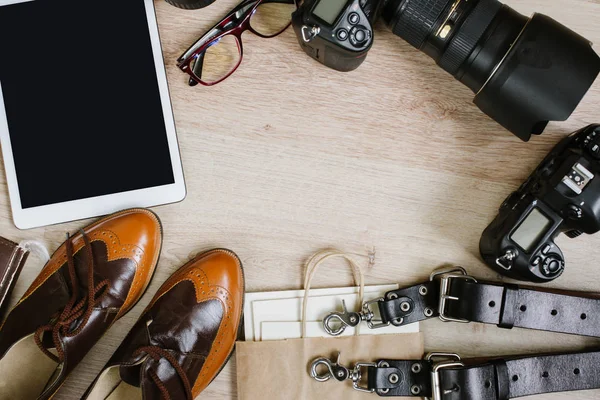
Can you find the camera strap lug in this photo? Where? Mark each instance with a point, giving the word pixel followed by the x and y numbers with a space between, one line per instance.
pixel 309 33
pixel 506 261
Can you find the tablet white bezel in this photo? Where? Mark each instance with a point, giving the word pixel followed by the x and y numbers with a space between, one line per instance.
pixel 100 205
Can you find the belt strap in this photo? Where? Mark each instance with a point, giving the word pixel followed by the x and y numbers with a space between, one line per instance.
pixel 453 296
pixel 499 379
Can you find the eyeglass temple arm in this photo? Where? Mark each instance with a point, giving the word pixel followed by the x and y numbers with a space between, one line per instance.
pixel 198 65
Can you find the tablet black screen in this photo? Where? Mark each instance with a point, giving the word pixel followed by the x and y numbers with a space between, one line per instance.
pixel 82 99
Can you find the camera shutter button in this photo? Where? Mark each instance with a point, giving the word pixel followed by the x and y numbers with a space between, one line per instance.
pixel 553 265
pixel 359 35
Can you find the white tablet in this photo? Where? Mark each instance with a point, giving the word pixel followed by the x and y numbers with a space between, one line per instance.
pixel 86 124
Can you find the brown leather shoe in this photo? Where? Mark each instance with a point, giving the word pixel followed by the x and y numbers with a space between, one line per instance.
pixel 183 339
pixel 58 319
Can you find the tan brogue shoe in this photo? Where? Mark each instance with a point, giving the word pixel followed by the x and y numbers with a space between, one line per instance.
pixel 94 278
pixel 183 339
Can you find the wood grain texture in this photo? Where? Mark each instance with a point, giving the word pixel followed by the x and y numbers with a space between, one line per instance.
pixel 287 157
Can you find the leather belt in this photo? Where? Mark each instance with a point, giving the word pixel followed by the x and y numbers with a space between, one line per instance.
pixel 454 296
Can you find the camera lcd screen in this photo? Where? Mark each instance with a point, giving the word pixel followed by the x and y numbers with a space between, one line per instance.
pixel 533 228
pixel 82 100
pixel 329 10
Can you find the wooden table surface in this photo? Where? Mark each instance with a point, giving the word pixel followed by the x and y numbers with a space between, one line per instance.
pixel 287 157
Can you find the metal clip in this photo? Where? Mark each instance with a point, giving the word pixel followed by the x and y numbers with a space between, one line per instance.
pixel 340 373
pixel 446 276
pixel 334 370
pixel 344 318
pixel 368 315
pixel 352 319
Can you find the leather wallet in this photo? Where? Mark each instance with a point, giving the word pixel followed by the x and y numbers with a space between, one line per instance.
pixel 12 260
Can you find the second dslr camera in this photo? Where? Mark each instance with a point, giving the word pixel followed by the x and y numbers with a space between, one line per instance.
pixel 562 195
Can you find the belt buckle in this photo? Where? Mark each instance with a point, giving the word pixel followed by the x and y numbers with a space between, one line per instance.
pixel 446 275
pixel 452 360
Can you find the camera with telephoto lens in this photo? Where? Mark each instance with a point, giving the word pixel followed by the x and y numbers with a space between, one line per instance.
pixel 524 71
pixel 562 195
pixel 337 33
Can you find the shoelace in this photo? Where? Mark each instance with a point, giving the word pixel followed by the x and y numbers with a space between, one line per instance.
pixel 73 310
pixel 156 353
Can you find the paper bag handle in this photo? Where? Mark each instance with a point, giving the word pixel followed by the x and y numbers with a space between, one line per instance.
pixel 311 269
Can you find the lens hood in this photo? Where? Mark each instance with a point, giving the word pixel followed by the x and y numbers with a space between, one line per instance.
pixel 542 78
pixel 190 4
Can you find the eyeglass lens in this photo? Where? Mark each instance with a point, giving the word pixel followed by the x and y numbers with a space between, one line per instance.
pixel 218 61
pixel 272 17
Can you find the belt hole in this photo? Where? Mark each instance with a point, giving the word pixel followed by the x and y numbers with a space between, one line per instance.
pixel 515 378
pixel 554 313
pixel 488 384
pixel 545 374
pixel 523 308
pixel 583 316
pixel 576 371
pixel 492 304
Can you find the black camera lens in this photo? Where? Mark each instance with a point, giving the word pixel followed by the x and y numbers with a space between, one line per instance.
pixel 525 71
pixel 190 4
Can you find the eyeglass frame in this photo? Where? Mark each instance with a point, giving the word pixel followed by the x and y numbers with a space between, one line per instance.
pixel 239 17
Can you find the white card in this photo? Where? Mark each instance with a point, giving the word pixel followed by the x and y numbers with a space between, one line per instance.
pixel 286 294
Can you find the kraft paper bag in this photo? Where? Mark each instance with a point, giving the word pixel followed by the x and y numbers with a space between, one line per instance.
pixel 279 370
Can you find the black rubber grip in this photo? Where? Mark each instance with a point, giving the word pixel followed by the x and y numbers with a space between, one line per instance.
pixel 469 34
pixel 417 18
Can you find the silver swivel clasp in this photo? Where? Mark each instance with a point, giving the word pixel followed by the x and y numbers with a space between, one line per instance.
pixel 336 323
pixel 340 373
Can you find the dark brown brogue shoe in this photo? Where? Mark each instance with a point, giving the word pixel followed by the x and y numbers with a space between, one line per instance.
pixel 94 278
pixel 183 339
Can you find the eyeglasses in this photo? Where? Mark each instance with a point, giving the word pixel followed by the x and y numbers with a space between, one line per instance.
pixel 217 54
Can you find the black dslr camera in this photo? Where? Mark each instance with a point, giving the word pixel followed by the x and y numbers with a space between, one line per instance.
pixel 562 195
pixel 337 33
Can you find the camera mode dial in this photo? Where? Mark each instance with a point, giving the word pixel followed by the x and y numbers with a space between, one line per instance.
pixel 574 212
